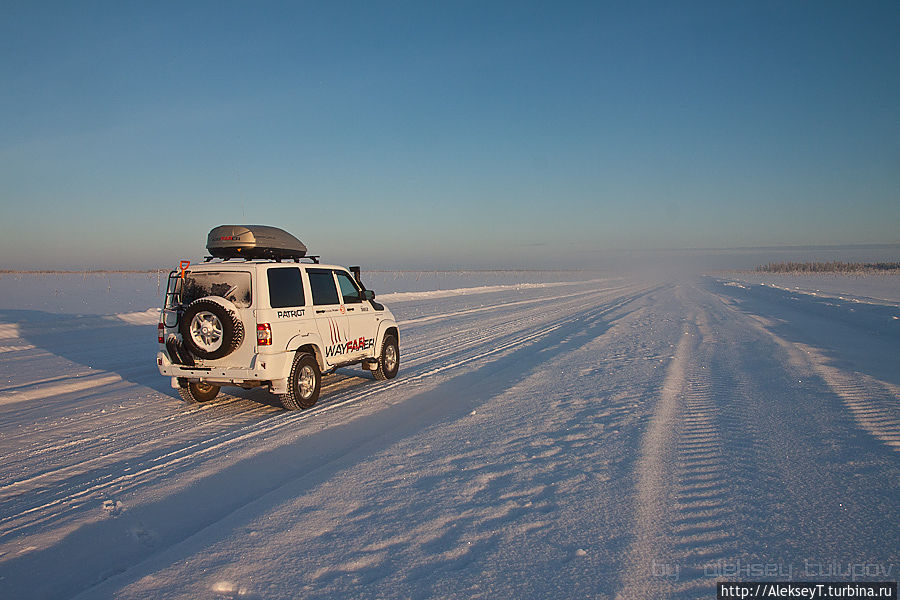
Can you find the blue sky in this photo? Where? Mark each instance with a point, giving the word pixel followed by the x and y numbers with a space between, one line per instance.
pixel 417 134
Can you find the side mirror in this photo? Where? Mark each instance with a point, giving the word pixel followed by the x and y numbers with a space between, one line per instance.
pixel 367 295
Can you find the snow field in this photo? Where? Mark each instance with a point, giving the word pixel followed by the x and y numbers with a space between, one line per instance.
pixel 613 438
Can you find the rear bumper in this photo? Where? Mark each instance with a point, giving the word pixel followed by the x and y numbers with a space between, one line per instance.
pixel 264 368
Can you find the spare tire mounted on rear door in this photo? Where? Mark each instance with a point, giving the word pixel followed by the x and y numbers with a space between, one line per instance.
pixel 210 328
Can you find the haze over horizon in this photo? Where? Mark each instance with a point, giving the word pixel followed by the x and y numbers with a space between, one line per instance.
pixel 449 134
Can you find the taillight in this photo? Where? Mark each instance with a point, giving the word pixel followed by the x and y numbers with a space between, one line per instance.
pixel 263 334
pixel 161 330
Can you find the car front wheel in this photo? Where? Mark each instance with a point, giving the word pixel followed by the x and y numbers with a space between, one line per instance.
pixel 389 360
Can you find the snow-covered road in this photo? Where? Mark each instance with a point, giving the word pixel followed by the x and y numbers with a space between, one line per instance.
pixel 616 438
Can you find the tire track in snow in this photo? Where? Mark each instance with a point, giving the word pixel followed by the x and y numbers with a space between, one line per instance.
pixel 682 512
pixel 702 518
pixel 874 404
pixel 805 475
pixel 103 424
pixel 66 386
pixel 653 479
pixel 471 311
pixel 474 333
pixel 10 339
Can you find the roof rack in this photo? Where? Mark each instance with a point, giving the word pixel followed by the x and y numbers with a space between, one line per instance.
pixel 313 258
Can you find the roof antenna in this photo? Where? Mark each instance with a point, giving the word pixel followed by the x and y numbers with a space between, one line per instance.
pixel 241 192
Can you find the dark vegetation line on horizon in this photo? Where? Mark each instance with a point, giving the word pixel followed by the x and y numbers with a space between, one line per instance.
pixel 829 267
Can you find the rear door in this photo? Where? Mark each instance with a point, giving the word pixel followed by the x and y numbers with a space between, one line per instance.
pixel 330 314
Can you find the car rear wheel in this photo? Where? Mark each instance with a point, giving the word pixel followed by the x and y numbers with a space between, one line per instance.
pixel 195 392
pixel 304 383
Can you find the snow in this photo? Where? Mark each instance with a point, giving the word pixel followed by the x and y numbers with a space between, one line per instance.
pixel 396 297
pixel 39 391
pixel 552 434
pixel 871 289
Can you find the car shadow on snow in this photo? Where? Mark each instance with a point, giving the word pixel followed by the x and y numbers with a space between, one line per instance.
pixel 102 343
pixel 343 379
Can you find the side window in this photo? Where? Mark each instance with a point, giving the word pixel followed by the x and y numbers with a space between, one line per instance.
pixel 321 282
pixel 231 285
pixel 349 291
pixel 285 287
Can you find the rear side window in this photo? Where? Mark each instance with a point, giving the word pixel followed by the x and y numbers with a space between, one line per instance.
pixel 231 285
pixel 321 283
pixel 349 291
pixel 285 287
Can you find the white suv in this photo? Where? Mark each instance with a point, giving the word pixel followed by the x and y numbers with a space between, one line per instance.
pixel 309 320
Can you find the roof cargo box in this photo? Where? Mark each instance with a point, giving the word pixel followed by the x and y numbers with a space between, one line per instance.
pixel 253 241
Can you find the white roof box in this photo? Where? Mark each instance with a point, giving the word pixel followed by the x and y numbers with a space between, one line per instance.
pixel 253 241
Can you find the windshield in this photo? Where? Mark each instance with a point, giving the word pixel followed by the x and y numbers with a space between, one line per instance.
pixel 231 285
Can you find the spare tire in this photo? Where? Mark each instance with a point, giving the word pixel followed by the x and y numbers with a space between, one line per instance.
pixel 210 328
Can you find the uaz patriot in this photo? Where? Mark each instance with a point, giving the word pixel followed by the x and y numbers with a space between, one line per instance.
pixel 308 319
